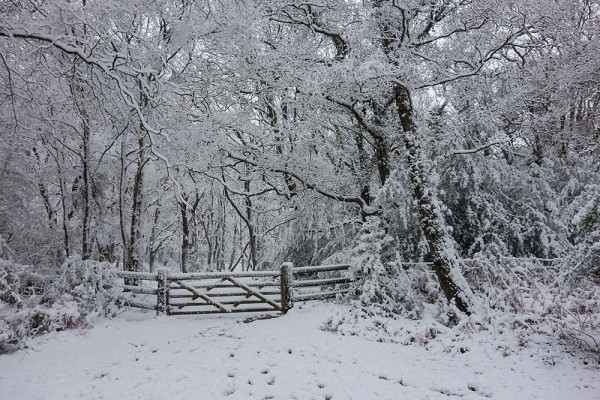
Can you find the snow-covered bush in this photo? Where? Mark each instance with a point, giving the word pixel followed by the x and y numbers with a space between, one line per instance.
pixel 6 253
pixel 9 283
pixel 497 209
pixel 17 280
pixel 32 303
pixel 90 283
pixel 385 287
pixel 373 288
pixel 585 231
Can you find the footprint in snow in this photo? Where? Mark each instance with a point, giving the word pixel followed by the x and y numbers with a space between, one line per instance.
pixel 401 382
pixel 229 390
pixel 447 392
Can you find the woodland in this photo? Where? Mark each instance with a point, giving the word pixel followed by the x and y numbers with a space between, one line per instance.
pixel 234 135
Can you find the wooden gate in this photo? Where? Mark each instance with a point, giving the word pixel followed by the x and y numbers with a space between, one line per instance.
pixel 210 293
pixel 234 292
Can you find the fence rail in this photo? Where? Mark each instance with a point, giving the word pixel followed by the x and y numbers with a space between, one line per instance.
pixel 234 292
pixel 321 282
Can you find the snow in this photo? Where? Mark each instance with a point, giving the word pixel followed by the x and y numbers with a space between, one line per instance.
pixel 139 356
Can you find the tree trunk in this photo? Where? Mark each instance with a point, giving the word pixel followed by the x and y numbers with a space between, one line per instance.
pixel 77 92
pixel 63 200
pixel 251 234
pixel 153 236
pixel 134 256
pixel 122 190
pixel 365 191
pixel 185 240
pixel 86 246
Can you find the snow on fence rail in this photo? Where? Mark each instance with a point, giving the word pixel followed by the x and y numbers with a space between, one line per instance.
pixel 234 292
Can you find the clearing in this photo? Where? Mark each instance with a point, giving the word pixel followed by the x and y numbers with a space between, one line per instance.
pixel 139 356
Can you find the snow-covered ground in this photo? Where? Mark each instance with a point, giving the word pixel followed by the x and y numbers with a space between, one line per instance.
pixel 139 356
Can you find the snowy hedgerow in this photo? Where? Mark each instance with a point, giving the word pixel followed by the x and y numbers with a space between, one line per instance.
pixel 32 303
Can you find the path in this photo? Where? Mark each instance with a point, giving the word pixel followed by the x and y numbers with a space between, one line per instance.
pixel 139 356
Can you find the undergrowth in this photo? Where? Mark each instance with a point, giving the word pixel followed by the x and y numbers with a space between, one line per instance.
pixel 521 301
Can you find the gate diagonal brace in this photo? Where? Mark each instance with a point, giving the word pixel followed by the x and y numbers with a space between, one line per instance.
pixel 254 292
pixel 203 296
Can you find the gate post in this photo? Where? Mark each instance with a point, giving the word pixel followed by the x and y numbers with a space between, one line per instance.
pixel 287 286
pixel 162 295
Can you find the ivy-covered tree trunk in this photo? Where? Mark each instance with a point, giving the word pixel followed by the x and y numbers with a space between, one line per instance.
pixel 445 262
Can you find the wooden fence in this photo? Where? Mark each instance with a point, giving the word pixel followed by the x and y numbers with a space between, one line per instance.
pixel 233 292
